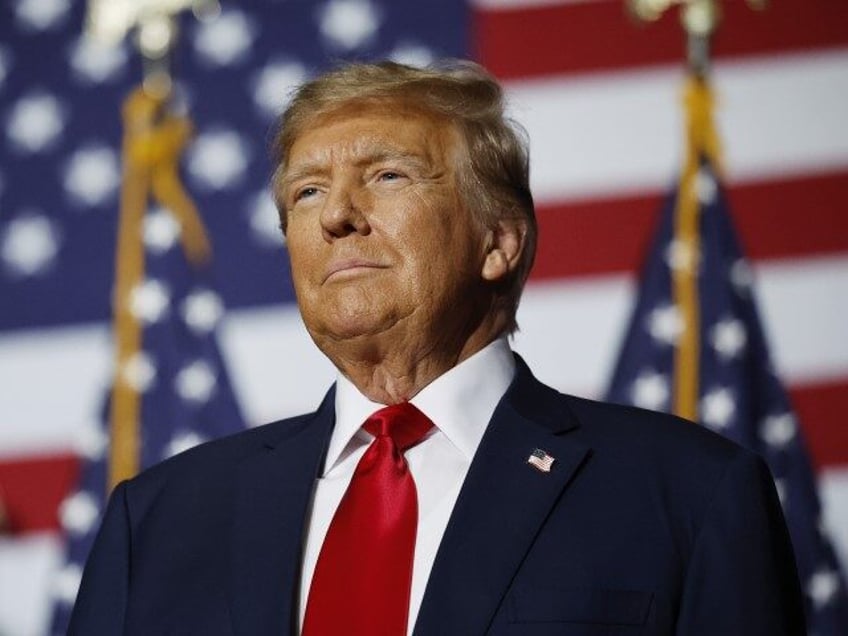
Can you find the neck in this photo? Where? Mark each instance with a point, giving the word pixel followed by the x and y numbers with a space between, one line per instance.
pixel 391 368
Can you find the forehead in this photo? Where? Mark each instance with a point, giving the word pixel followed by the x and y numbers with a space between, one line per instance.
pixel 363 131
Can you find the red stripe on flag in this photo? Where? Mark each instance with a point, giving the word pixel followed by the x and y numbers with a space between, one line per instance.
pixel 32 488
pixel 591 36
pixel 593 237
pixel 784 219
pixel 793 217
pixel 821 409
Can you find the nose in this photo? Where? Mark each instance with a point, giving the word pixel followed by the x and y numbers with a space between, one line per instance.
pixel 343 213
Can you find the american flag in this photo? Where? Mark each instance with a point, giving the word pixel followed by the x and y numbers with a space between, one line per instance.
pixel 540 460
pixel 738 392
pixel 598 95
pixel 184 388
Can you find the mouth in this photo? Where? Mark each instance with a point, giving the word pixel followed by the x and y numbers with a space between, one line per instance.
pixel 350 267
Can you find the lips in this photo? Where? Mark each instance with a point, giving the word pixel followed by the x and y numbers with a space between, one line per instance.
pixel 350 265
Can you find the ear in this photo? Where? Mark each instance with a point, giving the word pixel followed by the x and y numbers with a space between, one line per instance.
pixel 505 244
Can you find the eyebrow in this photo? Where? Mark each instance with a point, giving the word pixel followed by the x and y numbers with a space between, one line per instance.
pixel 317 166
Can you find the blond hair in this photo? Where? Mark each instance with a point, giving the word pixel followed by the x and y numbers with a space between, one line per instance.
pixel 494 177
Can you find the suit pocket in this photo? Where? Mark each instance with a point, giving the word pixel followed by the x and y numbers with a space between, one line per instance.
pixel 580 605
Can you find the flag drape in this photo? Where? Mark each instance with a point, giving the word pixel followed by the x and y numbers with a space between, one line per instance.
pixel 734 387
pixel 170 388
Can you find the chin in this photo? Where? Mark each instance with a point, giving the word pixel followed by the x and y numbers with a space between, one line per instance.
pixel 347 323
pixel 358 310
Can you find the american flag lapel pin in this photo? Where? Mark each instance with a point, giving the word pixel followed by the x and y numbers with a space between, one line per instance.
pixel 540 460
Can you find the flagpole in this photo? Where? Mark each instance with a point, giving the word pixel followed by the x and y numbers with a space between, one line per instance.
pixel 700 19
pixel 154 140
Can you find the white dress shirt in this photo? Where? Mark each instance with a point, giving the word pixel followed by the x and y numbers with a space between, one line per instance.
pixel 460 403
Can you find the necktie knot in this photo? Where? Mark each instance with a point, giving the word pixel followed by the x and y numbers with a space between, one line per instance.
pixel 403 422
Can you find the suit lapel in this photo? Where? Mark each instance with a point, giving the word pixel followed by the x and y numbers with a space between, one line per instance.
pixel 273 491
pixel 500 509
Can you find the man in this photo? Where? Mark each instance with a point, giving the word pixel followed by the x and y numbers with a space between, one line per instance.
pixel 439 488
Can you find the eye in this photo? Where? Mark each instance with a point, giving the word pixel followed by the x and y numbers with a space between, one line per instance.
pixel 390 175
pixel 305 192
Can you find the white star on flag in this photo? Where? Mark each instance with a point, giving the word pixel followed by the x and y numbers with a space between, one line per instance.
pixel 273 84
pixel 265 220
pixel 349 24
pixel 217 159
pixel 651 390
pixel 412 54
pixel 92 175
pixel 728 337
pixel 96 62
pixel 196 381
pixel 224 40
pixel 182 441
pixel 679 256
pixel 150 300
pixel 823 586
pixel 779 430
pixel 29 244
pixel 741 277
pixel 201 310
pixel 665 324
pixel 718 407
pixel 35 123
pixel 40 15
pixel 161 231
pixel 139 371
pixel 79 512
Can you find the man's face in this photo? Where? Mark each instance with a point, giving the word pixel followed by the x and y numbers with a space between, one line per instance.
pixel 378 235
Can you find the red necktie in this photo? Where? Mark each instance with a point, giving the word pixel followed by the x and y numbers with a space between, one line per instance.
pixel 363 577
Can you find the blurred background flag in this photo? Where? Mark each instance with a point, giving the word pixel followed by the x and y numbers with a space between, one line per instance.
pixel 597 94
pixel 170 388
pixel 695 346
pixel 739 394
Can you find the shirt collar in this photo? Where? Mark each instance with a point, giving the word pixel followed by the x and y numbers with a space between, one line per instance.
pixel 460 402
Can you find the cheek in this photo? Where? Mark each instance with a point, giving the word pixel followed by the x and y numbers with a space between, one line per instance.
pixel 449 244
pixel 427 225
pixel 303 259
pixel 296 260
pixel 441 265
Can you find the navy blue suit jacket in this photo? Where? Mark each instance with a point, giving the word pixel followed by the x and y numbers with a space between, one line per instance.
pixel 646 525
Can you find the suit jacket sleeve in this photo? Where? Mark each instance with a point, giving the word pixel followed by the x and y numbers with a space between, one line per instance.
pixel 102 599
pixel 742 577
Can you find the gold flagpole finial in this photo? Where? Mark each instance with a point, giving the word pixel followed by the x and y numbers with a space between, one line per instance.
pixel 700 19
pixel 154 25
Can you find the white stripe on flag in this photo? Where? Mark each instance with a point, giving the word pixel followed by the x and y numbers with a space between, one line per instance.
pixel 620 132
